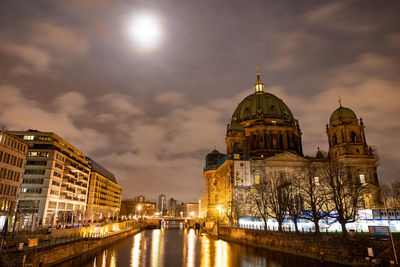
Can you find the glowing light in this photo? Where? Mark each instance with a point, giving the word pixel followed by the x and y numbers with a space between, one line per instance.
pixel 191 248
pixel 135 260
pixel 205 255
pixel 145 30
pixel 221 257
pixel 155 250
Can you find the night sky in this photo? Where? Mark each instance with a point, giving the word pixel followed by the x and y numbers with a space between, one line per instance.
pixel 151 115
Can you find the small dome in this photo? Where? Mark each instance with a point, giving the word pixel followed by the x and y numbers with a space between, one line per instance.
pixel 343 113
pixel 262 105
pixel 235 126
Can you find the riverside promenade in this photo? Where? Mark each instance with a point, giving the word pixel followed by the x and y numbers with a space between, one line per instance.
pixel 332 248
pixel 60 245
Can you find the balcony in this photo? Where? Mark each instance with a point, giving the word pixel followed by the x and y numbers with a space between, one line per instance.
pixel 69 180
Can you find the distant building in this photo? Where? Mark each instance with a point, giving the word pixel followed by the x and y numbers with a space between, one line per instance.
pixel 172 204
pixel 188 210
pixel 104 199
pixel 162 204
pixel 131 208
pixel 203 206
pixel 55 182
pixel 12 161
pixel 140 198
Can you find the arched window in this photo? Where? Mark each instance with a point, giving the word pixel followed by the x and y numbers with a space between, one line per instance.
pixel 353 137
pixel 334 139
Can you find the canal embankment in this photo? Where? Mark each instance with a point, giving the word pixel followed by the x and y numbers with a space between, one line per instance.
pixel 65 244
pixel 351 251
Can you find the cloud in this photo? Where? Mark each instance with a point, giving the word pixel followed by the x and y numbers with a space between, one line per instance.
pixel 281 63
pixel 324 12
pixel 339 16
pixel 394 39
pixel 171 98
pixel 71 103
pixel 59 39
pixel 19 113
pixel 33 59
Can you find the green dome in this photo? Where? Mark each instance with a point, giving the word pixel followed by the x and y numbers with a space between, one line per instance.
pixel 235 126
pixel 343 113
pixel 262 105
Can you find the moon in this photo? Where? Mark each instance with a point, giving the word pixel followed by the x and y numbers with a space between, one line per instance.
pixel 145 30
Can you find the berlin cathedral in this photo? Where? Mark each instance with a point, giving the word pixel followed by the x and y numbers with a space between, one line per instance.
pixel 264 138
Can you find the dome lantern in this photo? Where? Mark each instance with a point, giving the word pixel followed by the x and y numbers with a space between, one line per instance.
pixel 258 86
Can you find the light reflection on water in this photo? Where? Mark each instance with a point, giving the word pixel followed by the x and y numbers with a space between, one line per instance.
pixel 181 247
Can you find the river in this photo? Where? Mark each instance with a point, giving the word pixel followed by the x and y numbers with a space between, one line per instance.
pixel 182 247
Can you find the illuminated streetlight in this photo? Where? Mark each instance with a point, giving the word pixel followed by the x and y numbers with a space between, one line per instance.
pixel 139 208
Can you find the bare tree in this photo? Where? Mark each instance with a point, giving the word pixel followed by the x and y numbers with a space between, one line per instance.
pixel 277 199
pixel 386 192
pixel 258 195
pixel 395 186
pixel 312 194
pixel 233 211
pixel 344 193
pixel 391 194
pixel 294 202
pixel 270 197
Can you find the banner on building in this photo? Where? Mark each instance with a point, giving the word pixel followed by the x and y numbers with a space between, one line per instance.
pixel 378 230
pixel 242 173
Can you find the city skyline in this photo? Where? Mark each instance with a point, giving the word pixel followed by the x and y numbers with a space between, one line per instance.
pixel 150 116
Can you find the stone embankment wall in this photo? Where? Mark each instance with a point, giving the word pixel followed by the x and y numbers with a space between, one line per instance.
pixel 59 253
pixel 334 249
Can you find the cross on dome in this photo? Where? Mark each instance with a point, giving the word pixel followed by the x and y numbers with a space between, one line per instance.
pixel 258 86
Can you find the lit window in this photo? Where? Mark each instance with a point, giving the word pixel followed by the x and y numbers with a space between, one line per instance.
pixel 257 179
pixel 28 137
pixel 316 180
pixel 362 178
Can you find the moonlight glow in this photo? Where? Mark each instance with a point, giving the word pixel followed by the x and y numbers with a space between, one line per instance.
pixel 145 30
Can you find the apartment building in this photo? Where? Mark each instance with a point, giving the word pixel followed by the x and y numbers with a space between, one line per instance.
pixel 55 182
pixel 104 199
pixel 12 161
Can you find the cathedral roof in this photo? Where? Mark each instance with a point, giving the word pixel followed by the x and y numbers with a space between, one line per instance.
pixel 235 126
pixel 343 113
pixel 262 105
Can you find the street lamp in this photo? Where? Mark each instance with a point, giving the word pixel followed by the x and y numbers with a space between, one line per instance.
pixel 139 208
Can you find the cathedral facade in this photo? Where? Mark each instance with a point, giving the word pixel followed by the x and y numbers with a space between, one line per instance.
pixel 263 140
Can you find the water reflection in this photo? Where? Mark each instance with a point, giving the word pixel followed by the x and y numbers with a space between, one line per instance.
pixel 205 251
pixel 155 250
pixel 135 259
pixel 180 247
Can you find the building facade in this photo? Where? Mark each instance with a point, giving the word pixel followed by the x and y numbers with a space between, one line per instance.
pixel 55 182
pixel 188 210
pixel 162 204
pixel 12 162
pixel 104 198
pixel 133 208
pixel 264 139
pixel 172 204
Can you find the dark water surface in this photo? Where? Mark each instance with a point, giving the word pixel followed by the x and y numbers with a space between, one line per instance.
pixel 181 247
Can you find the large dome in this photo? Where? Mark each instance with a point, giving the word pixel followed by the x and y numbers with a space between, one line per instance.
pixel 262 105
pixel 343 113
